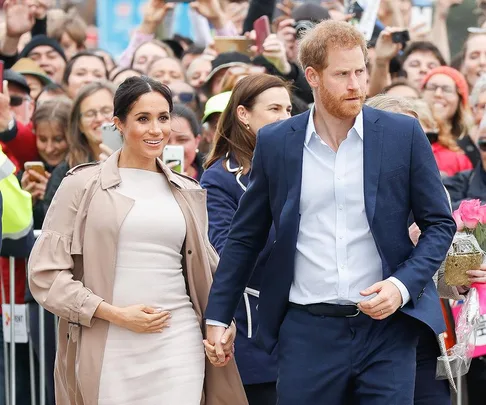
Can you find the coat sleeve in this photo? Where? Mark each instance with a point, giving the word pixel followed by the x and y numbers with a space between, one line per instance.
pixel 457 187
pixel 221 207
pixel 51 264
pixel 432 213
pixel 246 239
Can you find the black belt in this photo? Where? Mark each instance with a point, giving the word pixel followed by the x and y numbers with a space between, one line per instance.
pixel 333 310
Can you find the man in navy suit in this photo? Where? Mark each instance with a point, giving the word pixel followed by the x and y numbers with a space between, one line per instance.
pixel 345 292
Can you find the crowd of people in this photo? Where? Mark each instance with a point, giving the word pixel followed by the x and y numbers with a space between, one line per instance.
pixel 100 253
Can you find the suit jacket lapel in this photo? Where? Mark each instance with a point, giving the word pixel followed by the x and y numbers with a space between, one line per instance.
pixel 294 149
pixel 372 156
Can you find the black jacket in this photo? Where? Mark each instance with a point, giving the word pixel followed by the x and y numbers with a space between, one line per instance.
pixel 467 185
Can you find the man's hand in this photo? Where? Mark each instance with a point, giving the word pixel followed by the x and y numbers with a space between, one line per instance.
pixel 275 53
pixel 386 49
pixel 211 9
pixel 19 17
pixel 41 7
pixel 5 113
pixel 153 14
pixel 219 344
pixel 386 302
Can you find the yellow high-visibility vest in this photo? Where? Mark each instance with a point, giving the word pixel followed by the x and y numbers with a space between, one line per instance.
pixel 17 218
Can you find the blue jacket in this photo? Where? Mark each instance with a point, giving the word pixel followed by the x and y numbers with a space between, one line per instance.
pixel 400 176
pixel 224 190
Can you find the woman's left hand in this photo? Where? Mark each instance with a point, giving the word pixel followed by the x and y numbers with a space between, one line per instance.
pixel 477 276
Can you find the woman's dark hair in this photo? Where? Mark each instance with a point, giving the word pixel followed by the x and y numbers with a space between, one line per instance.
pixel 132 89
pixel 72 61
pixel 126 70
pixel 52 88
pixel 422 46
pixel 232 137
pixel 182 111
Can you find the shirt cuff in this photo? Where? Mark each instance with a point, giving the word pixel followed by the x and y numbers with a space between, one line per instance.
pixel 215 323
pixel 403 290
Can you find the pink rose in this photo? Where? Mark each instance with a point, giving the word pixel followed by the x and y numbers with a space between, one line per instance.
pixel 470 214
pixel 459 223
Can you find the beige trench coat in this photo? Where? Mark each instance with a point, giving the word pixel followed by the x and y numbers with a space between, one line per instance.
pixel 72 270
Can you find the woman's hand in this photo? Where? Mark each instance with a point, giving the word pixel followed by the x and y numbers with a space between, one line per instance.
pixel 477 276
pixel 35 184
pixel 142 319
pixel 227 341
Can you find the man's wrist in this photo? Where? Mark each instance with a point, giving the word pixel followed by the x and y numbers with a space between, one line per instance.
pixel 148 27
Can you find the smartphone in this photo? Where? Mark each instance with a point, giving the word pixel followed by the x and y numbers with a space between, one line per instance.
pixel 174 153
pixel 1 75
pixel 233 44
pixel 262 30
pixel 422 15
pixel 111 137
pixel 401 37
pixel 37 167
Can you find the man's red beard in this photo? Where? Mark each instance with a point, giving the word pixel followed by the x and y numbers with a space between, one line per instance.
pixel 339 107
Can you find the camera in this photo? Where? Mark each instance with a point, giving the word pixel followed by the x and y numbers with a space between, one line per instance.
pixel 301 28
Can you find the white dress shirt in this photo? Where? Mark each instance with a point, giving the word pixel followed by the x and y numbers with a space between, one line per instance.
pixel 336 255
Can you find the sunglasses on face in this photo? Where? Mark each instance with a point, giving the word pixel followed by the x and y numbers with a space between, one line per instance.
pixel 482 145
pixel 16 101
pixel 185 98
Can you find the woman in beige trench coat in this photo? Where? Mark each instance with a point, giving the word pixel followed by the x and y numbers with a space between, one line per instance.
pixel 72 266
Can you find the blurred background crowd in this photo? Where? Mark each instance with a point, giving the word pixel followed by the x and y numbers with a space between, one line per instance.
pixel 63 61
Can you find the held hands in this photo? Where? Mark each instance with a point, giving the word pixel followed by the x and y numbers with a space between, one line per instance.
pixel 385 48
pixel 153 15
pixel 219 344
pixel 143 319
pixel 477 276
pixel 212 10
pixel 386 302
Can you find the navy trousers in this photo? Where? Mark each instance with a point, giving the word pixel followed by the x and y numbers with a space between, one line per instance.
pixel 346 361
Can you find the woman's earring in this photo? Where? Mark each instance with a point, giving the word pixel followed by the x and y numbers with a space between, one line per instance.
pixel 248 127
pixel 197 150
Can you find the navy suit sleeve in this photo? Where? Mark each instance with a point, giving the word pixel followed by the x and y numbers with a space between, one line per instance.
pixel 430 208
pixel 221 207
pixel 246 239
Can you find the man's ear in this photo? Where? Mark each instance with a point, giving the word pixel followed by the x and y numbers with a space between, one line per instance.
pixel 313 77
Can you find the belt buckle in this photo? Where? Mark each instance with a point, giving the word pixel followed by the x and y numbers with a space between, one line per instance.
pixel 358 311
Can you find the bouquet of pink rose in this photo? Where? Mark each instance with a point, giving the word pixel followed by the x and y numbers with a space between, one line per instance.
pixel 466 252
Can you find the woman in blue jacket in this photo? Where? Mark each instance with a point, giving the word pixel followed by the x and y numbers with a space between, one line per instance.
pixel 257 100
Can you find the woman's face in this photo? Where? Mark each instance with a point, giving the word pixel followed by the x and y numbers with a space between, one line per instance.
pixel 95 110
pixel 198 71
pixel 480 108
pixel 166 71
pixel 440 92
pixel 182 135
pixel 86 70
pixel 147 127
pixel 69 45
pixel 146 54
pixel 51 142
pixel 270 106
pixel 475 59
pixel 417 65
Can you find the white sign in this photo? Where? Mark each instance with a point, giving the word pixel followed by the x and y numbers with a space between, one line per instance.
pixel 368 20
pixel 19 320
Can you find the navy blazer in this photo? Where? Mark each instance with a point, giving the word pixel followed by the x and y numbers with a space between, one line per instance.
pixel 400 176
pixel 224 190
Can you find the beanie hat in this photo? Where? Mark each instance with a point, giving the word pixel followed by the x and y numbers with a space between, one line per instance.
pixel 42 40
pixel 459 80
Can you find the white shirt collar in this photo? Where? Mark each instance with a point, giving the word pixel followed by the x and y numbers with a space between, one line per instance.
pixel 311 128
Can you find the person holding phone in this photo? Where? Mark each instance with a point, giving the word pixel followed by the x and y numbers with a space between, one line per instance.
pixel 122 261
pixel 257 100
pixel 92 107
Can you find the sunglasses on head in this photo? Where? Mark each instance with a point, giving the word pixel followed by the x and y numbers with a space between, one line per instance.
pixel 482 145
pixel 16 101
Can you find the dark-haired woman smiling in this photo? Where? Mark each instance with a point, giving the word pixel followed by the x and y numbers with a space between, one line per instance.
pixel 123 263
